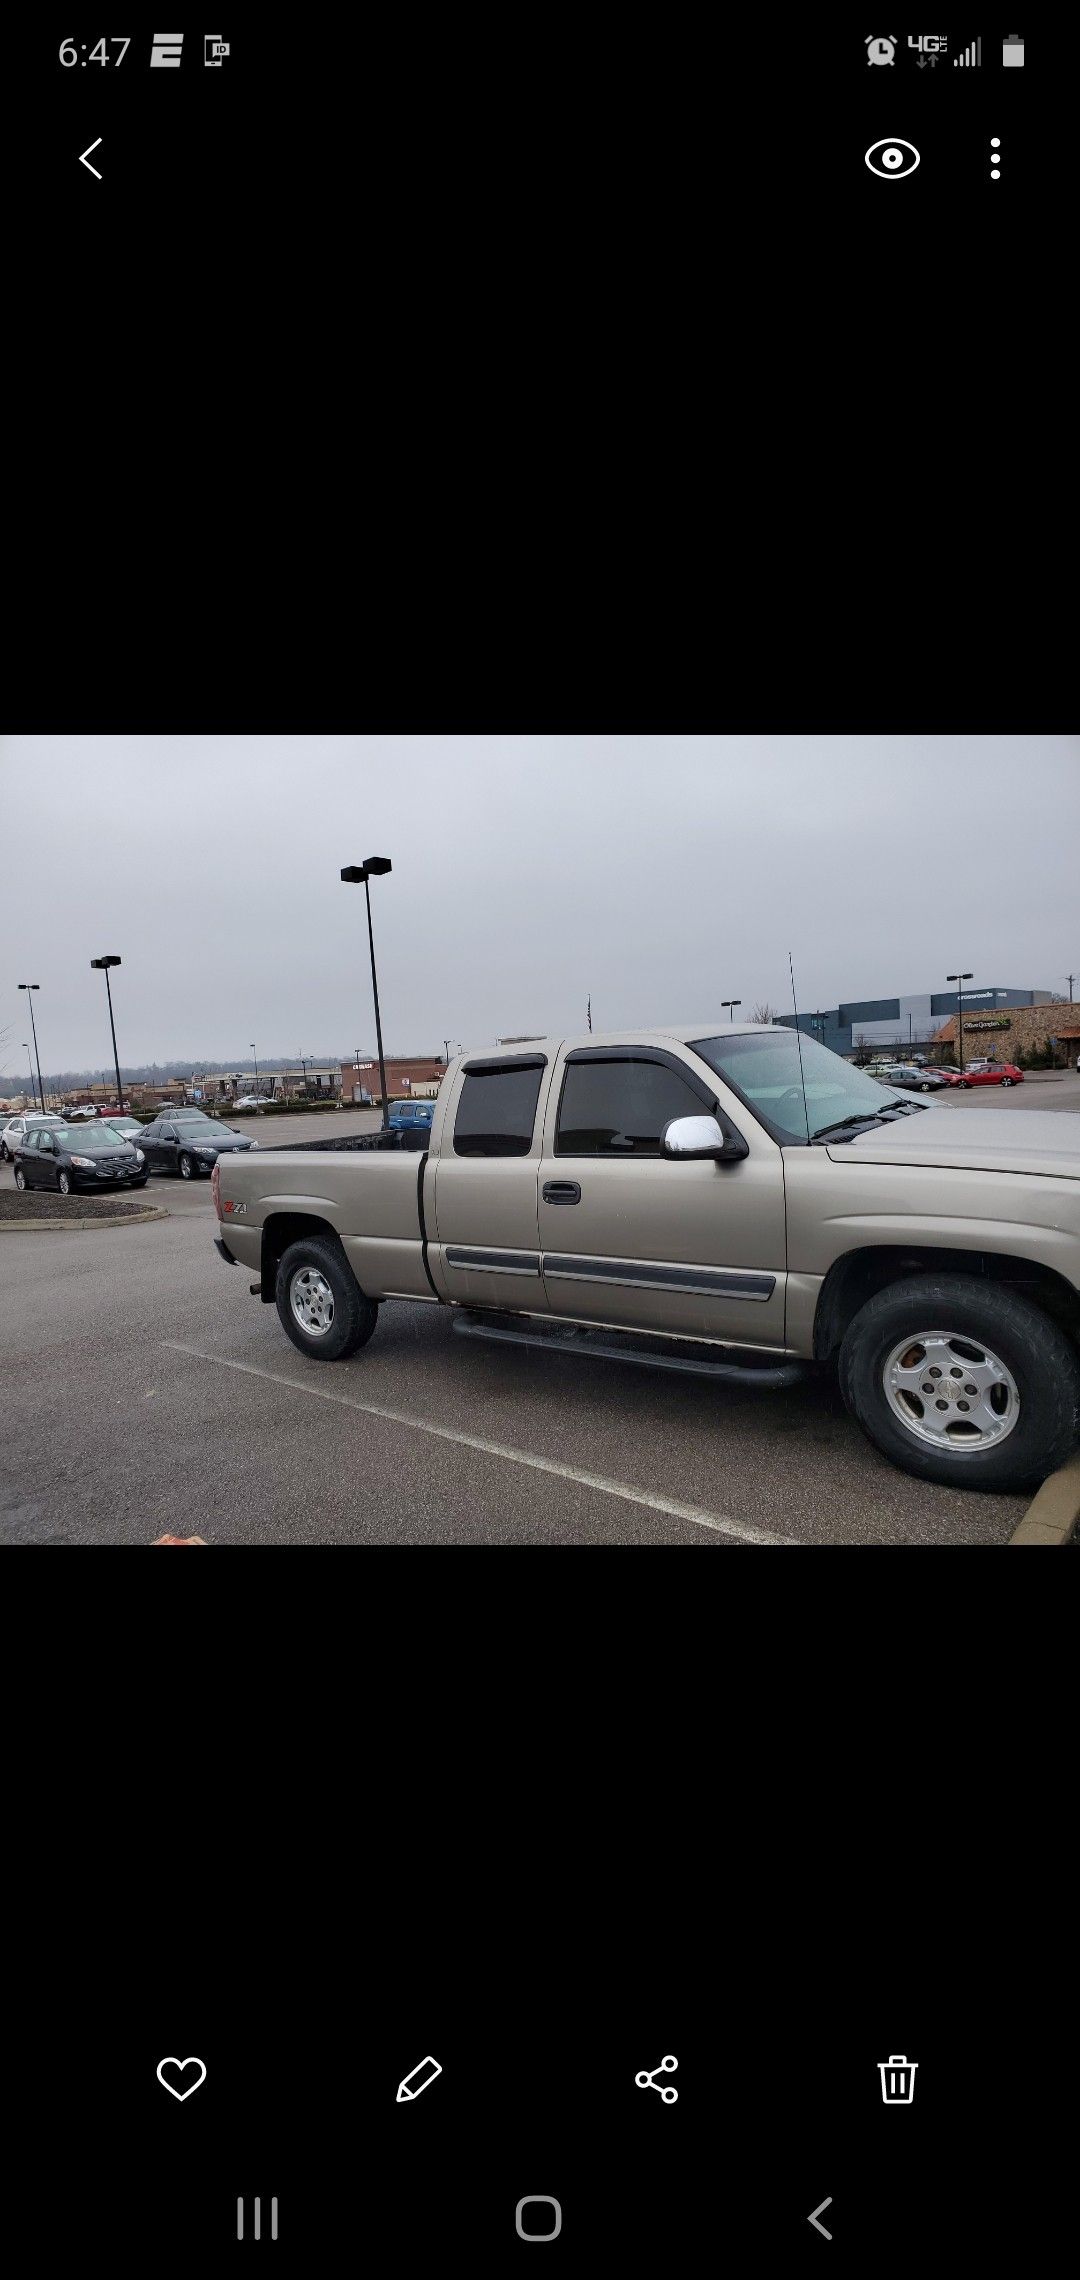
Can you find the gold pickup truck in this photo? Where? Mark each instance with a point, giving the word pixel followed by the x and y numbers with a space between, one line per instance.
pixel 732 1200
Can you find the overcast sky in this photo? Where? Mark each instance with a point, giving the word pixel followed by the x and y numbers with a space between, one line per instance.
pixel 663 874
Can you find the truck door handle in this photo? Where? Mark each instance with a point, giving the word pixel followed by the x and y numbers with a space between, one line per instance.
pixel 562 1191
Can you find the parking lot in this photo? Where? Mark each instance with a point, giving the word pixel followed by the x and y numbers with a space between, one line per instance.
pixel 146 1391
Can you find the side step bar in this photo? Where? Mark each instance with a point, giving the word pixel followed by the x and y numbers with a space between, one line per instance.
pixel 618 1346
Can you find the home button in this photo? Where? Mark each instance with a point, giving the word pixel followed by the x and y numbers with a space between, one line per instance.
pixel 547 2225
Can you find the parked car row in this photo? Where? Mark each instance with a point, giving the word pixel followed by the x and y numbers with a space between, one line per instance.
pixel 921 1077
pixel 48 1151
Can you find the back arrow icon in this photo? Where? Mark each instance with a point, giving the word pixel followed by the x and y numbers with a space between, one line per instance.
pixel 84 159
pixel 825 2204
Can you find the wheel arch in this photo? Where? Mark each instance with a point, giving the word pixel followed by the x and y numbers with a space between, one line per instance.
pixel 860 1274
pixel 284 1227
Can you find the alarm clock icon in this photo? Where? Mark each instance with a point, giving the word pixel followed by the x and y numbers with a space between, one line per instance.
pixel 881 47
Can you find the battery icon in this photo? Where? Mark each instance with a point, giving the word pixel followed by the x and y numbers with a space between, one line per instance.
pixel 1012 48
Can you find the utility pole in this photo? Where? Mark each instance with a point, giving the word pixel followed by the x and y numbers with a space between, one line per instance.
pixel 28 986
pixel 102 965
pixel 590 1012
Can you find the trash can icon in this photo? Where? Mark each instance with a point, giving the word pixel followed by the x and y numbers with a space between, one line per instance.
pixel 897 2080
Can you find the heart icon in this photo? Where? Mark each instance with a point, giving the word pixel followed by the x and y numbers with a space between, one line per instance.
pixel 181 2065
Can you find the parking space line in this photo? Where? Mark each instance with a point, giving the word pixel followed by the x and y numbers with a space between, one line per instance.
pixel 739 1529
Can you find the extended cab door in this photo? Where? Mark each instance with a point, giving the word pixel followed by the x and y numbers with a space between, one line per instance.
pixel 484 1246
pixel 696 1249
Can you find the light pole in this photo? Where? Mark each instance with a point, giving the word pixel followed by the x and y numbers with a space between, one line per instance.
pixel 372 867
pixel 29 1063
pixel 256 1061
pixel 102 965
pixel 732 1002
pixel 28 986
pixel 960 979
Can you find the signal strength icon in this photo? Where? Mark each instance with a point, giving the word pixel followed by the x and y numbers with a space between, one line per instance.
pixel 969 56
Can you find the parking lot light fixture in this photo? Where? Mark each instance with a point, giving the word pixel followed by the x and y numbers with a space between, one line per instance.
pixel 102 965
pixel 960 979
pixel 28 986
pixel 372 867
pixel 731 1003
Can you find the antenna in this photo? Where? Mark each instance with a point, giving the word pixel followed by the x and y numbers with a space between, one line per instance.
pixel 798 1034
pixel 590 1014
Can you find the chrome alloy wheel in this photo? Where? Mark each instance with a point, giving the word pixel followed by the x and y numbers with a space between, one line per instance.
pixel 312 1301
pixel 951 1391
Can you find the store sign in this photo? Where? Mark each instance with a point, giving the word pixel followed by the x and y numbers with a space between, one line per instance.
pixel 999 1021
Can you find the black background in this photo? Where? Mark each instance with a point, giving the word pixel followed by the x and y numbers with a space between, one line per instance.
pixel 504 378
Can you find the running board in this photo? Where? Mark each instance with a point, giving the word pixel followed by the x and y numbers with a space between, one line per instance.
pixel 618 1346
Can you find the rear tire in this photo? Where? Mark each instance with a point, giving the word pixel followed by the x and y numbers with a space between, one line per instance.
pixel 1039 1359
pixel 1005 1081
pixel 320 1303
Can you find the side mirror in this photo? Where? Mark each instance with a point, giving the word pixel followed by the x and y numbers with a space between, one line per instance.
pixel 687 1137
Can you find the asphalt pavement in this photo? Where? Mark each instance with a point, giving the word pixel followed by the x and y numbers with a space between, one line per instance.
pixel 145 1391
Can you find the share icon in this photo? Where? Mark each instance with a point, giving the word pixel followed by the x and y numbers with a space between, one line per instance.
pixel 644 2081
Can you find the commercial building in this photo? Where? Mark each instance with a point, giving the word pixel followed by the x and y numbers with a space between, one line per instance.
pixel 405 1080
pixel 900 1024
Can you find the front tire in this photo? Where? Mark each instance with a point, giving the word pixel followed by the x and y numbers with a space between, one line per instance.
pixel 20 1179
pixel 63 1182
pixel 320 1303
pixel 963 1382
pixel 186 1168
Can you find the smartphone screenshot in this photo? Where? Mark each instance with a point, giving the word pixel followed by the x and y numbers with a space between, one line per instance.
pixel 539 1014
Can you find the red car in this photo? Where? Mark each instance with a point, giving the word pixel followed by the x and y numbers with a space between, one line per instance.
pixel 991 1073
pixel 951 1076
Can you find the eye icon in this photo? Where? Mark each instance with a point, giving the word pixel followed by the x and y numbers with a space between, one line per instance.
pixel 892 157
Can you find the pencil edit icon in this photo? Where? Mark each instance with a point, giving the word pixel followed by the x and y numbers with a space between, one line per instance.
pixel 421 2078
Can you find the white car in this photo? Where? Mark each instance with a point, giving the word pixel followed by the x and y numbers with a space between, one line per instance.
pixel 251 1100
pixel 15 1130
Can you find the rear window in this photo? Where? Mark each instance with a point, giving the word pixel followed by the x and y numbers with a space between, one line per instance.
pixel 496 1112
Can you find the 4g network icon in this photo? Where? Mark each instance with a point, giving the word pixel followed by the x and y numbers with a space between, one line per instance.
pixel 931 48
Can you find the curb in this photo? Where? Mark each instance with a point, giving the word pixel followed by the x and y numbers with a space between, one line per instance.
pixel 47 1226
pixel 1053 1515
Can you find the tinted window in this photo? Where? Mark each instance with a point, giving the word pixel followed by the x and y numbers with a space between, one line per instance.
pixel 620 1108
pixel 496 1113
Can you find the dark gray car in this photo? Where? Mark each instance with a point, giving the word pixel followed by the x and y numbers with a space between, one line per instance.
pixel 187 1142
pixel 77 1157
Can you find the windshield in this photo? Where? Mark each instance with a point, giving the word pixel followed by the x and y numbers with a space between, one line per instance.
pixel 97 1140
pixel 764 1071
pixel 200 1124
pixel 123 1124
